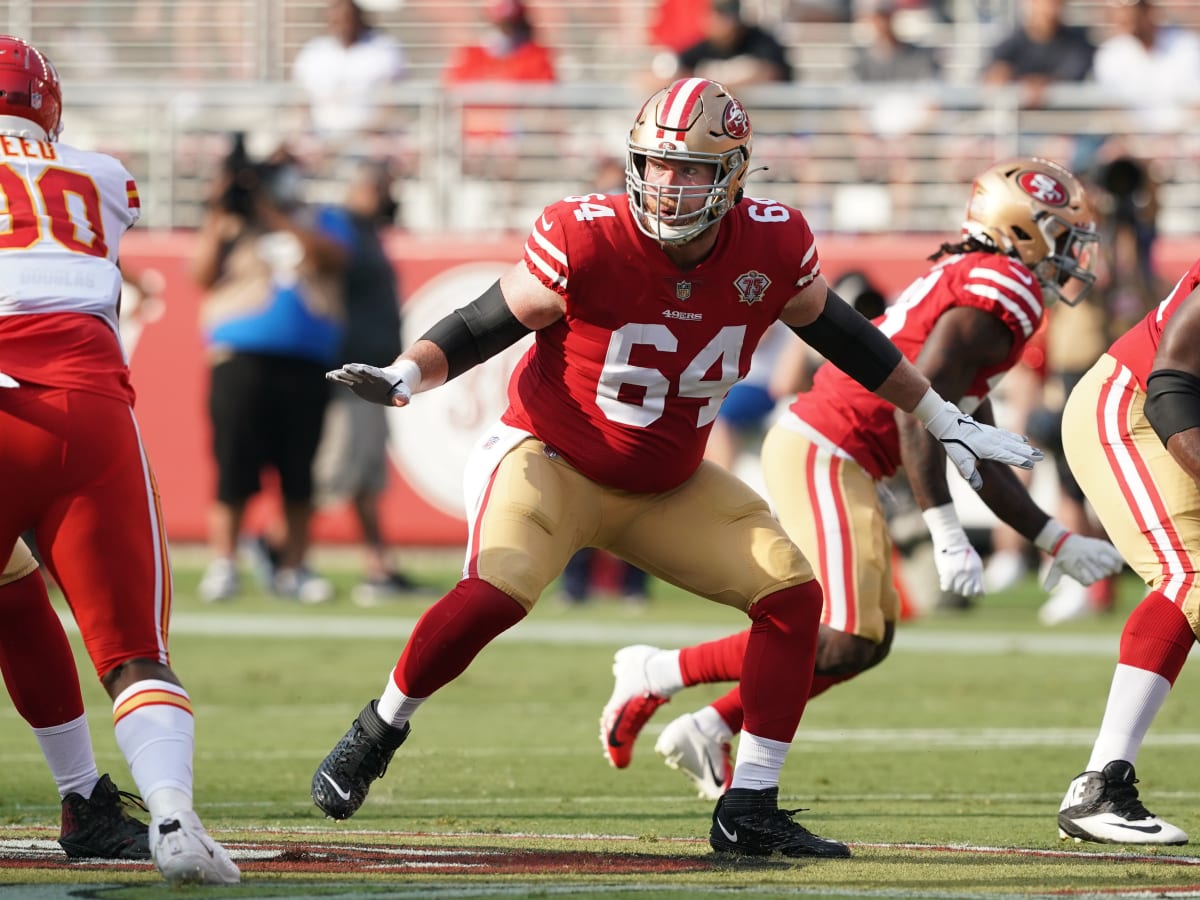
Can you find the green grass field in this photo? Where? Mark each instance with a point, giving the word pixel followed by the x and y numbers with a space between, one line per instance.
pixel 943 768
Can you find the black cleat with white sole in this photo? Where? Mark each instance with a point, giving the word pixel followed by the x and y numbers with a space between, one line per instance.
pixel 341 782
pixel 750 823
pixel 1103 807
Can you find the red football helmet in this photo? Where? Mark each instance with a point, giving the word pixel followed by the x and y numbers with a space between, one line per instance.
pixel 29 89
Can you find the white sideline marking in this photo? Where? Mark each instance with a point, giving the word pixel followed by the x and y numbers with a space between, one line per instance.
pixel 666 634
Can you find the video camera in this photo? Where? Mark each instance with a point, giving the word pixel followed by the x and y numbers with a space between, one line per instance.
pixel 279 181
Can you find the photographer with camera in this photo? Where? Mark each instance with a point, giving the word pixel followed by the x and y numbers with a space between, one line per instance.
pixel 272 322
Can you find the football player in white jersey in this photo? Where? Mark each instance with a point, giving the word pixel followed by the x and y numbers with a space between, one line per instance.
pixel 76 473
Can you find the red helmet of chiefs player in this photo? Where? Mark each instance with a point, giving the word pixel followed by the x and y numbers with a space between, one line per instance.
pixel 29 91
pixel 696 121
pixel 1037 211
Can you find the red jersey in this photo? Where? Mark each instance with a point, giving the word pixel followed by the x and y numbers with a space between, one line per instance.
pixel 64 216
pixel 626 385
pixel 863 425
pixel 528 62
pixel 1137 347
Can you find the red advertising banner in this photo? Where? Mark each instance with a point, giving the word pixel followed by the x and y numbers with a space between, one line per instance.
pixel 431 439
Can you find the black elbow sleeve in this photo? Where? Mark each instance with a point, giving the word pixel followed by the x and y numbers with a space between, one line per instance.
pixel 849 341
pixel 1172 402
pixel 476 332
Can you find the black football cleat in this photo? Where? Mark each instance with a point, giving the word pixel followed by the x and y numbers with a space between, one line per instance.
pixel 750 823
pixel 341 782
pixel 101 826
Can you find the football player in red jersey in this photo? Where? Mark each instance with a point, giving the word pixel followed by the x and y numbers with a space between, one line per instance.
pixel 76 472
pixel 1131 432
pixel 1027 239
pixel 647 308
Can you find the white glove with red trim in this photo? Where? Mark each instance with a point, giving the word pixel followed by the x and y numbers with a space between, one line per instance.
pixel 1083 558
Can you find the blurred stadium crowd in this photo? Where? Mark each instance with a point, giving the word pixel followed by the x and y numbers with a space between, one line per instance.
pixel 162 84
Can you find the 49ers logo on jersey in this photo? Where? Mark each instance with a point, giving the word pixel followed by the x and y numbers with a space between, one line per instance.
pixel 735 120
pixel 751 286
pixel 1043 188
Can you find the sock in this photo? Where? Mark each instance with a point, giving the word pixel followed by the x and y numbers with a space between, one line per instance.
pixel 777 671
pixel 663 673
pixel 759 762
pixel 1154 647
pixel 156 732
pixel 68 752
pixel 729 710
pixel 451 634
pixel 713 725
pixel 394 706
pixel 719 660
pixel 35 656
pixel 1157 637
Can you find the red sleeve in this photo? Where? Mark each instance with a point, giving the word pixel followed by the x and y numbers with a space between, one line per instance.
pixel 546 251
pixel 1007 289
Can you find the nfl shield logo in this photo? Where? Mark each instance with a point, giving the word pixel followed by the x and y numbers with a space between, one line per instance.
pixel 751 286
pixel 683 290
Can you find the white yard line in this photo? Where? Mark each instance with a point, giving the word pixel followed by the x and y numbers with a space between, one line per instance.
pixel 257 625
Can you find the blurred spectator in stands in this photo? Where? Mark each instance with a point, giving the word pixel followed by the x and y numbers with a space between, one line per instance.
pixel 346 73
pixel 1149 67
pixel 676 25
pixel 900 103
pixel 733 51
pixel 272 322
pixel 509 52
pixel 352 461
pixel 1041 50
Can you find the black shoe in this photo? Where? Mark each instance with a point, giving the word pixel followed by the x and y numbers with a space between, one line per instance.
pixel 750 823
pixel 341 782
pixel 100 826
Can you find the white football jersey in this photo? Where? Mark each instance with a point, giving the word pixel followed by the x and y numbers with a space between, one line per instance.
pixel 62 214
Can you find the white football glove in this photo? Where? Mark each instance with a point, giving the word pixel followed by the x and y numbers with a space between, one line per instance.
pixel 1085 559
pixel 378 385
pixel 959 568
pixel 967 441
pixel 7 381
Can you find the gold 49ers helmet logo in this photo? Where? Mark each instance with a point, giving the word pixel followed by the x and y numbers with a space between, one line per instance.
pixel 751 286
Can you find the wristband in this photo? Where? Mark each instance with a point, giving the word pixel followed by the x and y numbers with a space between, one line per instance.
pixel 1051 538
pixel 404 372
pixel 943 525
pixel 929 406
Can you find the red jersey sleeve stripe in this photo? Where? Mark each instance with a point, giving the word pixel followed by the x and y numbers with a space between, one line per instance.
pixel 131 192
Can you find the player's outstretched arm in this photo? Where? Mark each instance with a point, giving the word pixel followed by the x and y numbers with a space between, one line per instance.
pixel 849 341
pixel 507 311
